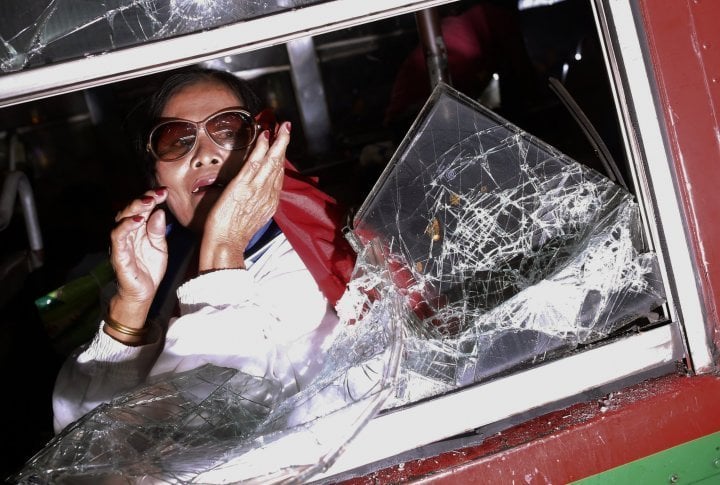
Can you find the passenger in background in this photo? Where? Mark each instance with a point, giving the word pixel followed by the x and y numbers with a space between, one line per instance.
pixel 482 42
pixel 486 60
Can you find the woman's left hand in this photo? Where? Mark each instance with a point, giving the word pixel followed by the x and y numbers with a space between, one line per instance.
pixel 246 205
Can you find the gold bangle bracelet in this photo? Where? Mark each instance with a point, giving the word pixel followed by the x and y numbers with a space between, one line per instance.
pixel 124 329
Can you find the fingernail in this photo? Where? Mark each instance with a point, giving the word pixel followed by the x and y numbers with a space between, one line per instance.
pixel 137 218
pixel 147 199
pixel 266 134
pixel 160 190
pixel 288 126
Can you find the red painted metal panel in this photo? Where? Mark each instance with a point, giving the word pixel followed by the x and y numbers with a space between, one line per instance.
pixel 579 441
pixel 684 47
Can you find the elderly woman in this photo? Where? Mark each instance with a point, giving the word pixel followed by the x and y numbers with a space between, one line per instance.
pixel 269 265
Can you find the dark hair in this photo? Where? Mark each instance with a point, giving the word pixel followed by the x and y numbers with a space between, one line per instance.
pixel 152 108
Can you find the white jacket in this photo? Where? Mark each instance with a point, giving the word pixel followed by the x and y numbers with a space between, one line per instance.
pixel 269 320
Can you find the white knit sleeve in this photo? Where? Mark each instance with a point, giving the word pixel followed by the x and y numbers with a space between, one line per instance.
pixel 99 371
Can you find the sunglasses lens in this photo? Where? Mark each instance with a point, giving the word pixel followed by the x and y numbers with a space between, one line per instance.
pixel 231 130
pixel 173 140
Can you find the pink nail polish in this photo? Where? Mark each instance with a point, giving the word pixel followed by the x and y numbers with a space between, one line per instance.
pixel 137 218
pixel 266 134
pixel 160 190
pixel 288 126
pixel 147 199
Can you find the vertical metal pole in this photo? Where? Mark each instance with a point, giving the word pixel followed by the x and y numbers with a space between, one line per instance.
pixel 310 93
pixel 17 184
pixel 428 24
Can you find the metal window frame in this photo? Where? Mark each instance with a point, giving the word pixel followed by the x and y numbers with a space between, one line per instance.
pixel 633 88
pixel 537 388
pixel 624 359
pixel 240 37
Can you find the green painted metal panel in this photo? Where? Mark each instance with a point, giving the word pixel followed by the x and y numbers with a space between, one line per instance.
pixel 695 462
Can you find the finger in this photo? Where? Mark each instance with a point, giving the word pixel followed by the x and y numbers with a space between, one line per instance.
pixel 143 205
pixel 272 166
pixel 276 175
pixel 121 238
pixel 272 169
pixel 276 128
pixel 264 153
pixel 282 140
pixel 125 227
pixel 138 207
pixel 279 179
pixel 268 194
pixel 255 157
pixel 156 230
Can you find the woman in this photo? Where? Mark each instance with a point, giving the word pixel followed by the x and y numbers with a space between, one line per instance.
pixel 261 293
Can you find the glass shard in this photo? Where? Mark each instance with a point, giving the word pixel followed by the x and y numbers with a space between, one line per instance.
pixel 506 250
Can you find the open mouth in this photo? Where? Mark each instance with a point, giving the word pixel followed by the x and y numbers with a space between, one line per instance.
pixel 205 188
pixel 203 185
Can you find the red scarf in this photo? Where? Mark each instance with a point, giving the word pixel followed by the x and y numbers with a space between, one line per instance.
pixel 312 222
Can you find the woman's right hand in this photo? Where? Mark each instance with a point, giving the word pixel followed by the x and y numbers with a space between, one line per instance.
pixel 139 257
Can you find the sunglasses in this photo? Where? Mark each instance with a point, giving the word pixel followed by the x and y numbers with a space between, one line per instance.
pixel 231 129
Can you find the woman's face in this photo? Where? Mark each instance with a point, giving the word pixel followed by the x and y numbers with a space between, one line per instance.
pixel 195 181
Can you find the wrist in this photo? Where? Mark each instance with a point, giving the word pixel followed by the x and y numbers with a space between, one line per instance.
pixel 126 320
pixel 124 334
pixel 221 255
pixel 129 312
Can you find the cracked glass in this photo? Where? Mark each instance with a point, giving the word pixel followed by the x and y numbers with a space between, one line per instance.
pixel 481 250
pixel 48 31
pixel 220 425
pixel 507 251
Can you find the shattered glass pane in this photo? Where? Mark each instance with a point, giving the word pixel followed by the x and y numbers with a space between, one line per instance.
pixel 220 425
pixel 507 250
pixel 47 31
pixel 481 249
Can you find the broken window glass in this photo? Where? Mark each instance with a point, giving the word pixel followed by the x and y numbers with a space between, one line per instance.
pixel 220 425
pixel 43 32
pixel 480 250
pixel 507 251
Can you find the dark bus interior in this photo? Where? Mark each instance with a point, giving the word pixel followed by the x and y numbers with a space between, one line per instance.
pixel 76 154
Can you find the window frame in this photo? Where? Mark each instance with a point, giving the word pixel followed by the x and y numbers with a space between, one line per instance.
pixel 240 37
pixel 650 352
pixel 636 98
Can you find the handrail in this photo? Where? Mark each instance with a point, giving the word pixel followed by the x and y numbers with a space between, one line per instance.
pixel 16 184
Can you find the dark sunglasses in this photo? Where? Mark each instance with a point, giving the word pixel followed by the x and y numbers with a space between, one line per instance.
pixel 231 128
